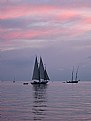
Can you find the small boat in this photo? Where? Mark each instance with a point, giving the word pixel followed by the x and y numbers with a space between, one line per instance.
pixel 13 81
pixel 40 75
pixel 25 83
pixel 76 80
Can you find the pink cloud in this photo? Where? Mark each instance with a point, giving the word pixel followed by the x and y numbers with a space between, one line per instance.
pixel 57 14
pixel 24 10
pixel 36 10
pixel 87 20
pixel 19 35
pixel 35 34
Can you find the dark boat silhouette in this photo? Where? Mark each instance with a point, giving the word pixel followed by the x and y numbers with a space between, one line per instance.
pixel 25 83
pixel 76 80
pixel 40 75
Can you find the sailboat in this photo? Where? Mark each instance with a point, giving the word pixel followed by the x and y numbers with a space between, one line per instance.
pixel 40 75
pixel 76 80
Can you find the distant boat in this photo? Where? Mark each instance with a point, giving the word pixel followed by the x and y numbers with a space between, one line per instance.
pixel 25 83
pixel 72 80
pixel 40 75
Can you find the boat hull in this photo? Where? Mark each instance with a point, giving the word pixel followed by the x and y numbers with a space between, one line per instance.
pixel 34 83
pixel 71 81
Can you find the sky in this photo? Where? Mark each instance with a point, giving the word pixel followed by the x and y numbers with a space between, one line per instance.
pixel 57 30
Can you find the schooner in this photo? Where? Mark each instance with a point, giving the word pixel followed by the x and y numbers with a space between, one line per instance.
pixel 40 75
pixel 76 80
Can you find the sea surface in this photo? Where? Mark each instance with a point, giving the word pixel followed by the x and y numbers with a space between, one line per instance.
pixel 56 101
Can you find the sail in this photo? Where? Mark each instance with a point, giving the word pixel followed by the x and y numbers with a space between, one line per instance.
pixel 46 77
pixel 76 73
pixel 35 71
pixel 41 69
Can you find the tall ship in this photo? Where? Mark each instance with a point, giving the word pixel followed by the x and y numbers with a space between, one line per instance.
pixel 76 78
pixel 40 75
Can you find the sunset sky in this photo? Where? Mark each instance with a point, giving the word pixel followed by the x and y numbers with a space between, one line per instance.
pixel 57 30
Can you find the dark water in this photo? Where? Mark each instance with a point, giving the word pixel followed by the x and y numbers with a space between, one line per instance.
pixel 55 102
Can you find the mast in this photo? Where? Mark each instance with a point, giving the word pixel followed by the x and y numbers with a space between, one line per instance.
pixel 36 71
pixel 72 73
pixel 41 69
pixel 14 80
pixel 77 73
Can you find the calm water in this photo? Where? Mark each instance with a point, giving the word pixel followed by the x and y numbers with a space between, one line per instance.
pixel 55 102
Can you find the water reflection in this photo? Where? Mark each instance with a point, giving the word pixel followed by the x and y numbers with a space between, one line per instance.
pixel 40 102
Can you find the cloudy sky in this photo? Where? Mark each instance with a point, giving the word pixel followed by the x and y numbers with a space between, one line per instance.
pixel 57 30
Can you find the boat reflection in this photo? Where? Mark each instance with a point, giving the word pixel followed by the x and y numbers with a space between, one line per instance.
pixel 39 102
